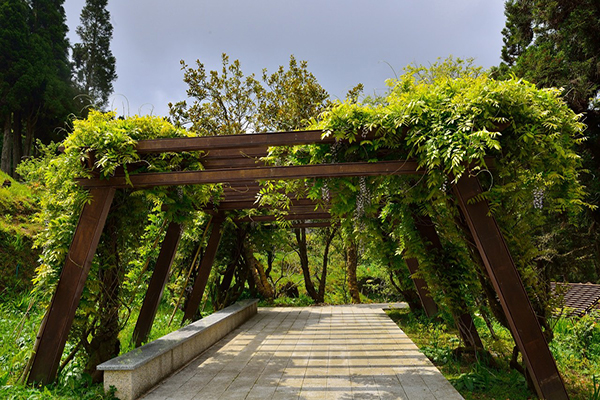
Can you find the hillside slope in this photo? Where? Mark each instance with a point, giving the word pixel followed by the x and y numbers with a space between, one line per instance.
pixel 18 260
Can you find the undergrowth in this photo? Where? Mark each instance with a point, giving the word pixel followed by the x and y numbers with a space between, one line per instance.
pixel 576 348
pixel 17 259
pixel 19 321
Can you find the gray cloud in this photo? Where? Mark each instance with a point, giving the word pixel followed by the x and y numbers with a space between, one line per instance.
pixel 344 41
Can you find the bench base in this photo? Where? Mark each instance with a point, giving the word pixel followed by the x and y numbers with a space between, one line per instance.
pixel 137 371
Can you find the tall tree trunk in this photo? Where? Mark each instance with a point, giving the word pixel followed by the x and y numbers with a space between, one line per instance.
pixel 303 254
pixel 258 273
pixel 30 133
pixel 17 143
pixel 351 265
pixel 323 280
pixel 6 160
pixel 409 295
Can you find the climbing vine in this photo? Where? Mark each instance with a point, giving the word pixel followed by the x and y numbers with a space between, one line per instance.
pixel 102 144
pixel 453 120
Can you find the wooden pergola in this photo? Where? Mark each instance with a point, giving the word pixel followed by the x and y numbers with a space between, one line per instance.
pixel 234 162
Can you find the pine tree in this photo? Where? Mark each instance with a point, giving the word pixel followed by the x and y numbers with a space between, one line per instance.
pixel 14 40
pixel 555 44
pixel 94 62
pixel 35 76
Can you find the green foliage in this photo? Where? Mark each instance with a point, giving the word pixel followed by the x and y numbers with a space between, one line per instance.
pixel 451 118
pixel 485 380
pixel 225 104
pixel 479 381
pixel 552 44
pixel 229 102
pixel 17 260
pixel 132 229
pixel 576 349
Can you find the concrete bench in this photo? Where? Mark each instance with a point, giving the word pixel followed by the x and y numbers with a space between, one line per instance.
pixel 139 370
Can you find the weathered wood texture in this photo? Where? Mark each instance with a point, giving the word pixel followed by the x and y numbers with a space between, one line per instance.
pixel 59 318
pixel 508 285
pixel 255 174
pixel 204 271
pixel 159 279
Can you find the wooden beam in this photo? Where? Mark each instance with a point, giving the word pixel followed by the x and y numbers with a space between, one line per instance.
pixel 232 141
pixel 258 173
pixel 226 205
pixel 205 267
pixel 505 278
pixel 228 154
pixel 232 163
pixel 159 279
pixel 325 224
pixel 289 217
pixel 431 309
pixel 59 317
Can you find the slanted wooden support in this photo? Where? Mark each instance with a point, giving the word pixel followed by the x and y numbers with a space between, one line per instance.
pixel 59 317
pixel 503 273
pixel 157 284
pixel 464 322
pixel 205 267
pixel 427 301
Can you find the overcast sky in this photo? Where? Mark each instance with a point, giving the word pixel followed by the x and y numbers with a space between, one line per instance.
pixel 344 41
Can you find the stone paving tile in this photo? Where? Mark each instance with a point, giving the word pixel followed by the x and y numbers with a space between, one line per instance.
pixel 342 352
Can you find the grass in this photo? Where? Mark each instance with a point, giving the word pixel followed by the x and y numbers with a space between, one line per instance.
pixel 17 259
pixel 576 348
pixel 18 327
pixel 19 322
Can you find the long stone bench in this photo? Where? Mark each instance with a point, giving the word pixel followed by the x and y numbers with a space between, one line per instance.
pixel 139 370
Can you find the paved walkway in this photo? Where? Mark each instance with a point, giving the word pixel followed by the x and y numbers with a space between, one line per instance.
pixel 333 352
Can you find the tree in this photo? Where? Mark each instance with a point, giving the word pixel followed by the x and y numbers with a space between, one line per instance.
pixel 294 96
pixel 555 44
pixel 229 102
pixel 94 62
pixel 36 92
pixel 225 104
pixel 14 42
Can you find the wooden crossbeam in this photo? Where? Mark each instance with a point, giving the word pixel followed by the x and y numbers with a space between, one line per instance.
pixel 324 224
pixel 232 163
pixel 256 174
pixel 232 141
pixel 289 217
pixel 228 205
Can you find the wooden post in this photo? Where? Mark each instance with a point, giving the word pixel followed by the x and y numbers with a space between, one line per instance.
pixel 503 273
pixel 464 322
pixel 59 317
pixel 157 284
pixel 204 270
pixel 427 301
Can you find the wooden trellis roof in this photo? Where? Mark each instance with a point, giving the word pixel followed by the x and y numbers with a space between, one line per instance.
pixel 234 162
